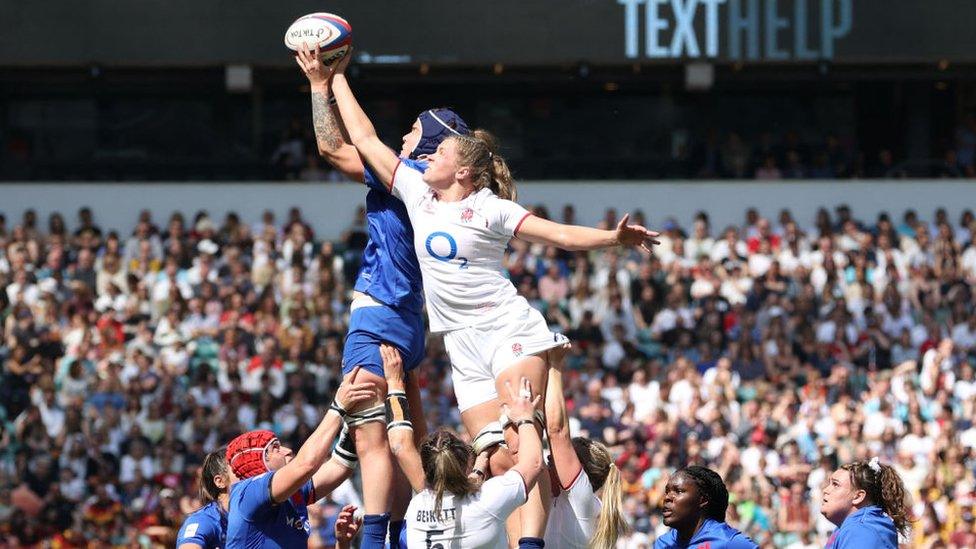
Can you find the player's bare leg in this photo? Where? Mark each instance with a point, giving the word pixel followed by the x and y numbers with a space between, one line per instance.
pixel 376 460
pixel 535 512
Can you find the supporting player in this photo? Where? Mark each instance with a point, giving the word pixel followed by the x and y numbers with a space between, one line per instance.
pixel 268 505
pixel 463 217
pixel 388 300
pixel 578 469
pixel 867 501
pixel 452 506
pixel 206 528
pixel 695 503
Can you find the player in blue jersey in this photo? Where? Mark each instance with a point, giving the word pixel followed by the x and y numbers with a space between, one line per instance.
pixel 867 500
pixel 206 528
pixel 268 504
pixel 388 300
pixel 695 502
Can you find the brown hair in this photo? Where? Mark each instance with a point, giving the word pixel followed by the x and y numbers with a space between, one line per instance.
pixel 446 460
pixel 479 151
pixel 603 473
pixel 884 489
pixel 214 464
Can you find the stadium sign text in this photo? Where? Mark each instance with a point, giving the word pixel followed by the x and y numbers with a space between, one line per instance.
pixel 751 30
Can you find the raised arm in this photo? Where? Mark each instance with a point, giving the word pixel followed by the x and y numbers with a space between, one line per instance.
pixel 318 447
pixel 325 117
pixel 329 477
pixel 564 458
pixel 573 237
pixel 522 415
pixel 361 132
pixel 399 429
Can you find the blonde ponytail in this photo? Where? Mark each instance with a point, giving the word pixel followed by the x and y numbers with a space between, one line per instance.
pixel 603 473
pixel 479 151
pixel 611 523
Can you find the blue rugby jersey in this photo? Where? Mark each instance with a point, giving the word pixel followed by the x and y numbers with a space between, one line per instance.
pixel 711 535
pixel 390 272
pixel 257 522
pixel 866 527
pixel 206 527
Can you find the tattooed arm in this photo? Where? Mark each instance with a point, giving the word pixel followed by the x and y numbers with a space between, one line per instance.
pixel 329 131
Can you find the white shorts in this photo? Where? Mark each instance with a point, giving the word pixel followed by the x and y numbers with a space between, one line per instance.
pixel 479 354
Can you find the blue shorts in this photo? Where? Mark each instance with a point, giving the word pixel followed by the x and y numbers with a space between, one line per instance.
pixel 371 325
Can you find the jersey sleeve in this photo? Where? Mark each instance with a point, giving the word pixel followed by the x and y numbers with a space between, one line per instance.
pixel 373 182
pixel 505 217
pixel 581 497
pixel 254 498
pixel 197 530
pixel 408 183
pixel 502 495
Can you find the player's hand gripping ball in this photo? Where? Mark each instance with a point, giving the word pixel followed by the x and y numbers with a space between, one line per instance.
pixel 330 33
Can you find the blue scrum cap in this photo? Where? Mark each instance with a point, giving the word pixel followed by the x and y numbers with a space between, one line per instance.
pixel 437 125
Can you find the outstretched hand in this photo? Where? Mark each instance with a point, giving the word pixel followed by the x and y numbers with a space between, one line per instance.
pixel 636 235
pixel 351 393
pixel 557 356
pixel 343 62
pixel 392 366
pixel 347 526
pixel 315 70
pixel 523 405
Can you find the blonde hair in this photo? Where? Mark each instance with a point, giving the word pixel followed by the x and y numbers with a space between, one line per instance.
pixel 445 459
pixel 602 472
pixel 479 151
pixel 885 489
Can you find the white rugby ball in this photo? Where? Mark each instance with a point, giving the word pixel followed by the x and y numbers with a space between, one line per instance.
pixel 331 33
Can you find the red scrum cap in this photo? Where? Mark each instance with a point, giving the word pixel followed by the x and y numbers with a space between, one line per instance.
pixel 245 454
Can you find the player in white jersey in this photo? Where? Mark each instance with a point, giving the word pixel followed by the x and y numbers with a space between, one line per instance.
pixel 578 469
pixel 463 217
pixel 453 506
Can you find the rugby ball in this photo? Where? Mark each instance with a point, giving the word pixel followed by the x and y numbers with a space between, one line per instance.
pixel 331 33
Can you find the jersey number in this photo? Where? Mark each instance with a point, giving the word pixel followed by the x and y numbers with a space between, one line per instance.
pixel 451 254
pixel 430 539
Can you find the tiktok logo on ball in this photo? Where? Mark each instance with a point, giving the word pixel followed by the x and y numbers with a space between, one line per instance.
pixel 442 247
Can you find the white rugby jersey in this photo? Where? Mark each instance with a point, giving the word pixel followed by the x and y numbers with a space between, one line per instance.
pixel 574 515
pixel 475 521
pixel 460 247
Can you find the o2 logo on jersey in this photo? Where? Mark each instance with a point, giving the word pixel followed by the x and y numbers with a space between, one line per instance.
pixel 436 248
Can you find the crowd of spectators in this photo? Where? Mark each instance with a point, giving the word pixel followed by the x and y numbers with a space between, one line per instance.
pixel 771 156
pixel 770 351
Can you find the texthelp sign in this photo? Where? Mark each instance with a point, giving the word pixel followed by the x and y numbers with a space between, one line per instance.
pixel 737 30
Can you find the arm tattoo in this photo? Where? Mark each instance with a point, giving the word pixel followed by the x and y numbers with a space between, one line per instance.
pixel 326 129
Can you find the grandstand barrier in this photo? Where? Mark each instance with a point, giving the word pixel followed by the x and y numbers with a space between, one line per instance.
pixel 330 207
